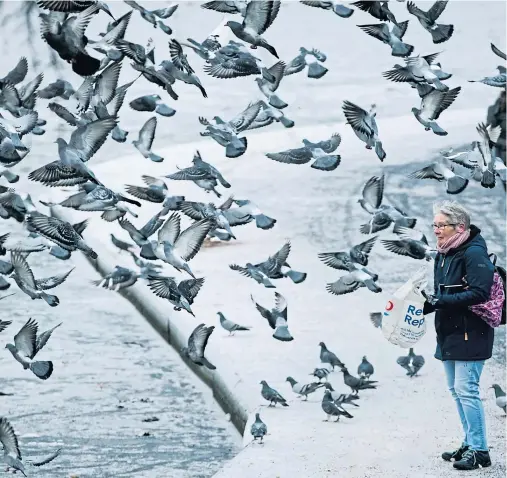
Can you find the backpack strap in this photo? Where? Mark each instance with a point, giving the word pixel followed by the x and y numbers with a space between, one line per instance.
pixel 493 258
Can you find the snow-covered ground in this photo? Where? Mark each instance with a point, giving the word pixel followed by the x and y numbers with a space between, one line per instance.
pixel 402 427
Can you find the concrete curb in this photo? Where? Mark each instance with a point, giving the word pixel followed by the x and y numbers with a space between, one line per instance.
pixel 167 326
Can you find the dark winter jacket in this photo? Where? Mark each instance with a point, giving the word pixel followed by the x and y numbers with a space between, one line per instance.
pixel 463 277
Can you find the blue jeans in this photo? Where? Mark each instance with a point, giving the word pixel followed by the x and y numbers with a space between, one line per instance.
pixel 463 381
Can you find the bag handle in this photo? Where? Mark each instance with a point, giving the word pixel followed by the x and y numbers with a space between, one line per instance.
pixel 493 258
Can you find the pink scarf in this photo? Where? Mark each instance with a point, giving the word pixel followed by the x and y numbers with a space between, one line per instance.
pixel 453 242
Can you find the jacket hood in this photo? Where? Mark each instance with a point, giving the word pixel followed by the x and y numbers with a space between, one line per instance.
pixel 475 239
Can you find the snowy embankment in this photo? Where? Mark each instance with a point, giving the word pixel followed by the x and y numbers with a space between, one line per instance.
pixel 401 428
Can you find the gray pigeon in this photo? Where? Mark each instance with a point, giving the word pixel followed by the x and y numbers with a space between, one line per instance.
pixel 258 428
pixel 320 373
pixel 107 43
pixel 379 10
pixel 497 81
pixel 145 140
pixel 443 172
pixel 229 325
pixel 277 267
pixel 439 32
pixel 12 454
pixel 176 247
pixel 337 8
pixel 119 279
pixel 356 258
pixel 73 6
pixel 276 317
pixel 355 383
pixel 254 273
pixel 410 245
pixel 180 295
pixel 382 215
pixel 259 16
pixel 152 103
pixel 60 232
pixel 392 37
pixel 432 106
pixel 364 126
pixel 140 236
pixel 227 6
pixel 152 16
pixel 197 344
pixel 250 209
pixel 268 88
pixel 498 52
pixel 311 58
pixel 326 356
pixel 303 390
pixel 352 281
pixel 156 192
pixel 420 70
pixel 365 368
pixel 332 409
pixel 27 344
pixel 35 288
pixel 16 128
pixel 272 396
pixel 17 74
pixel 341 398
pixel 121 245
pixel 67 37
pixel 412 363
pixel 500 398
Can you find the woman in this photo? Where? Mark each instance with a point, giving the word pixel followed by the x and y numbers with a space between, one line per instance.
pixel 463 276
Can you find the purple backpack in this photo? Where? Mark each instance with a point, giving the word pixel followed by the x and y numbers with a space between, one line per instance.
pixel 492 310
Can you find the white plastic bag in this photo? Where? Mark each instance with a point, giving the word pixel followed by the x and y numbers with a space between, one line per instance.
pixel 403 321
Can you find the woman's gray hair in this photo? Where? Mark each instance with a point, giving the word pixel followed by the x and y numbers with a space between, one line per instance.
pixel 456 213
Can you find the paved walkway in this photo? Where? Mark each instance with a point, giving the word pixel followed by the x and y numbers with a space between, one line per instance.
pixel 112 371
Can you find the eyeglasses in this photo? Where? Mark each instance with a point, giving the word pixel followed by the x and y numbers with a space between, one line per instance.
pixel 442 226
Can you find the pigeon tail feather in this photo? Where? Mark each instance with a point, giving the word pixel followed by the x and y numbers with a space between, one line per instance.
pixel 456 185
pixel 52 300
pixel 42 369
pixel 296 277
pixel 264 222
pixel 442 33
pixel 316 71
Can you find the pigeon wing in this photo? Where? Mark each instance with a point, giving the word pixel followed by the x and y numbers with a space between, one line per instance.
pixel 179 58
pixel 23 270
pixel 414 10
pixel 265 313
pixel 281 305
pixel 244 120
pixel 446 100
pixel 88 139
pixel 170 231
pixel 292 156
pixel 400 29
pixel 53 281
pixel 236 217
pixel 260 15
pixel 107 81
pixel 43 338
pixel 63 113
pixel 199 339
pixel 164 287
pixel 190 240
pixel 380 31
pixel 399 74
pixel 404 247
pixel 376 319
pixel 80 22
pixel 343 285
pixel 429 172
pixel 357 118
pixel 436 10
pixel 190 288
pixel 18 73
pixel 221 6
pixel 336 260
pixel 190 174
pixel 364 247
pixel 495 50
pixel 373 191
pixel 194 210
pixel 151 181
pixel 8 439
pixel 53 229
pixel 25 339
pixel 147 133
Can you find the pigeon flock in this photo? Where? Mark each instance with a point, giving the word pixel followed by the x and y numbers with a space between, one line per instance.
pixel 93 110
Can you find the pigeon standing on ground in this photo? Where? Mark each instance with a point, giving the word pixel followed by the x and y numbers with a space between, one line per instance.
pixel 272 396
pixel 259 16
pixel 439 32
pixel 303 390
pixel 332 409
pixel 276 317
pixel 392 37
pixel 341 398
pixel 27 344
pixel 326 356
pixel 229 325
pixel 412 363
pixel 259 428
pixel 355 383
pixel 432 106
pixel 197 344
pixel 365 368
pixel 364 126
pixel 500 398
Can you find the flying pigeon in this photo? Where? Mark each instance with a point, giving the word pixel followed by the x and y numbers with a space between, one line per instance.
pixel 141 236
pixel 152 16
pixel 392 37
pixel 12 453
pixel 332 409
pixel 175 247
pixel 277 267
pixel 337 8
pixel 364 126
pixel 365 368
pixel 197 344
pixel 268 88
pixel 258 428
pixel 259 16
pixel 303 390
pixel 495 50
pixel 254 273
pixel 356 258
pixel 156 192
pixel 352 281
pixel 443 172
pixel 180 295
pixel 311 58
pixel 152 103
pixel 271 395
pixel 320 373
pixel 27 344
pixel 276 317
pixel 248 210
pixel 409 244
pixel 145 140
pixel 326 356
pixel 229 325
pixel 16 128
pixel 379 10
pixel 500 398
pixel 439 32
pixel 35 288
pixel 227 6
pixel 119 279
